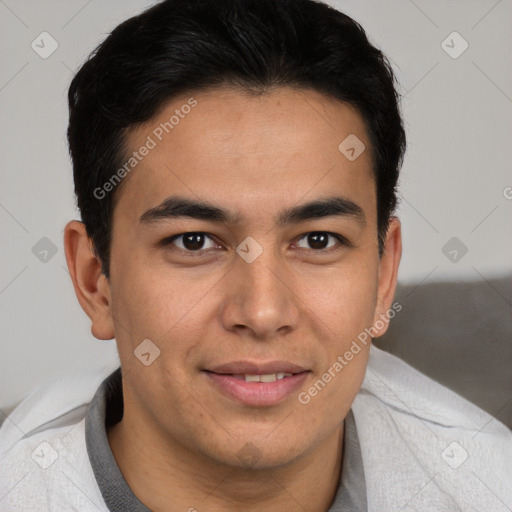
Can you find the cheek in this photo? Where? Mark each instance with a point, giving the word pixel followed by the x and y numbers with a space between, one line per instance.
pixel 138 309
pixel 172 312
pixel 344 300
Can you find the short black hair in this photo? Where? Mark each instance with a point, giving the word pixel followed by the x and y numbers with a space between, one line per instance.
pixel 180 46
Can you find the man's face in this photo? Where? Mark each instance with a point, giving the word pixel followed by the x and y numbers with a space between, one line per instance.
pixel 213 311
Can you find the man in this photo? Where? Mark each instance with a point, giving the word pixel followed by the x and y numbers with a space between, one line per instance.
pixel 235 166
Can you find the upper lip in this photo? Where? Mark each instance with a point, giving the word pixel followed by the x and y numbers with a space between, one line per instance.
pixel 255 368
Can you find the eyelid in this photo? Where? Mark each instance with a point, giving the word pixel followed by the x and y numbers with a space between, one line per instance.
pixel 342 241
pixel 170 239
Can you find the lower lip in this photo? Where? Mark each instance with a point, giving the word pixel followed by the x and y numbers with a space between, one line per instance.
pixel 257 393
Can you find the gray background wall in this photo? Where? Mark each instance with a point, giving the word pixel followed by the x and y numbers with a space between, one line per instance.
pixel 456 179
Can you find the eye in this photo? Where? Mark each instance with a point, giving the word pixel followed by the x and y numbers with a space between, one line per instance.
pixel 190 242
pixel 319 240
pixel 195 243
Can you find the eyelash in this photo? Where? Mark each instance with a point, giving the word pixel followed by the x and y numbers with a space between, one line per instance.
pixel 343 242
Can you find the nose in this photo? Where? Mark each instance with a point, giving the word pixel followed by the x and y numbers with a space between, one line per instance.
pixel 260 301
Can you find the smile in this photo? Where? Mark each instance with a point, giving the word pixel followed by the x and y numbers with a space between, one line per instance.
pixel 269 377
pixel 263 390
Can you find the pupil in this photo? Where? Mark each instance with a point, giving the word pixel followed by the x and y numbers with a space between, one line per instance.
pixel 193 241
pixel 318 240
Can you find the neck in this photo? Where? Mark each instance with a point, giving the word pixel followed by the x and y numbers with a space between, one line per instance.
pixel 167 476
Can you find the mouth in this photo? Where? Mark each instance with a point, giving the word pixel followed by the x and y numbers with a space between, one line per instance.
pixel 254 384
pixel 269 377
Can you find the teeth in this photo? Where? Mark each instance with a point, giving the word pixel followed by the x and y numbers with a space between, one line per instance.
pixel 270 377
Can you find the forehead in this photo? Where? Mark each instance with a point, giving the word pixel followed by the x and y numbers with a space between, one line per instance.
pixel 248 152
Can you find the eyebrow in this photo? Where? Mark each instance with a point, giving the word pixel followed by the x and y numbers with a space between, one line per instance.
pixel 176 207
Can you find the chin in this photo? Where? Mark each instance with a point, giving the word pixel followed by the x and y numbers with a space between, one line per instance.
pixel 258 456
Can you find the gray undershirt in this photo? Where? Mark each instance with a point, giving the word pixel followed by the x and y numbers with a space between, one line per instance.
pixel 106 408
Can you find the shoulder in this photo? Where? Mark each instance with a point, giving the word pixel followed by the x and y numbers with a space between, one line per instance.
pixel 44 465
pixel 56 403
pixel 429 442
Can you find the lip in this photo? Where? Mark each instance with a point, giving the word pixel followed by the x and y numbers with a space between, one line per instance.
pixel 263 394
pixel 253 368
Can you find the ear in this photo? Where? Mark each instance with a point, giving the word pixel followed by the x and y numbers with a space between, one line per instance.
pixel 92 288
pixel 388 272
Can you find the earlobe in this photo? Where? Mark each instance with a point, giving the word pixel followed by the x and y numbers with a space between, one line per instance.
pixel 91 286
pixel 388 273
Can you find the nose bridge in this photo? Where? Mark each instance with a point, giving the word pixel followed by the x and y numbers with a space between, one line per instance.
pixel 261 298
pixel 261 274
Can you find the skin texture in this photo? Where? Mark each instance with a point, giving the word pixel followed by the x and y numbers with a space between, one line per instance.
pixel 179 442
